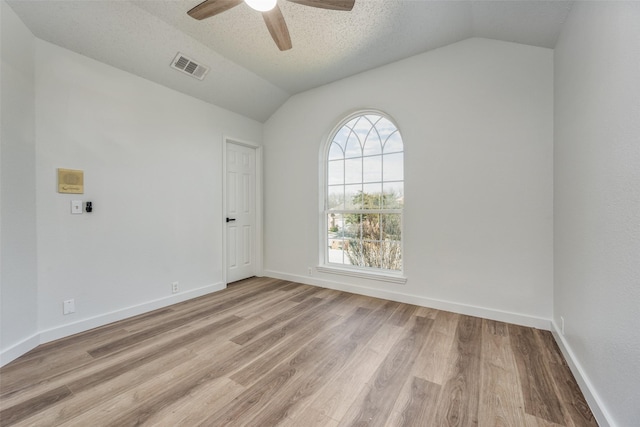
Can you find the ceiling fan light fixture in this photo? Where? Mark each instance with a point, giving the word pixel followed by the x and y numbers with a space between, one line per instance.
pixel 271 13
pixel 261 5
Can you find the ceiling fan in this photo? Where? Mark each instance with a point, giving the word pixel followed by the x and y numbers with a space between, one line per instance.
pixel 270 12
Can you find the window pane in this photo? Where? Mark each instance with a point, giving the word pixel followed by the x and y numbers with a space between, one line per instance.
pixel 336 251
pixel 363 127
pixel 391 253
pixel 342 135
pixel 353 147
pixel 370 254
pixel 373 118
pixel 353 196
pixel 371 196
pixel 372 169
pixel 353 226
pixel 335 197
pixel 373 144
pixel 335 172
pixel 371 226
pixel 335 226
pixel 393 195
pixel 385 128
pixel 353 170
pixel 391 228
pixel 393 144
pixel 351 123
pixel 335 152
pixel 393 169
pixel 354 253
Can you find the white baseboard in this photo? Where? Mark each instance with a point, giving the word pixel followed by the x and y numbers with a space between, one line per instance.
pixel 591 396
pixel 66 330
pixel 106 318
pixel 469 310
pixel 17 350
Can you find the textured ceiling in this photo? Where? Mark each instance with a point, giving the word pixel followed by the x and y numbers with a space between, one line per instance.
pixel 249 75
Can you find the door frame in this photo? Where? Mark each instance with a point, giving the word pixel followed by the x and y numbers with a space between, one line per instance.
pixel 258 204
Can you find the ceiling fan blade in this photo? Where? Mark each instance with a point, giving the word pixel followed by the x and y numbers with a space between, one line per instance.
pixel 328 4
pixel 278 28
pixel 210 8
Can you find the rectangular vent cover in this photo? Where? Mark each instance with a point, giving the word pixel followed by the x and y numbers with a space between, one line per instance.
pixel 188 66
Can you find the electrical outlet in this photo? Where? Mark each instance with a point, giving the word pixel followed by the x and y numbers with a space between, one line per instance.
pixel 69 306
pixel 310 271
pixel 562 325
pixel 175 287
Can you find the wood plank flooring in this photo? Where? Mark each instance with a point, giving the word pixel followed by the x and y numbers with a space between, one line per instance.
pixel 266 352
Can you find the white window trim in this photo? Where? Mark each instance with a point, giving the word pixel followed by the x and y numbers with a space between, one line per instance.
pixel 381 275
pixel 324 266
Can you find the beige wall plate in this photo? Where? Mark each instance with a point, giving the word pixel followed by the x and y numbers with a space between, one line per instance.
pixel 70 181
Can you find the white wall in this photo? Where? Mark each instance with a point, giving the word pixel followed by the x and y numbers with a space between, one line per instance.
pixel 597 203
pixel 152 168
pixel 477 122
pixel 152 162
pixel 18 289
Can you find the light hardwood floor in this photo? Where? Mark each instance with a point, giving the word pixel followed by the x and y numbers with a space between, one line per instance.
pixel 265 352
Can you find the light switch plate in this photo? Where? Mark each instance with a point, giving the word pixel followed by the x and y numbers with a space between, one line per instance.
pixel 76 206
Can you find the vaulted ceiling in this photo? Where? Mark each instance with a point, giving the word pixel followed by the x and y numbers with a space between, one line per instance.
pixel 248 73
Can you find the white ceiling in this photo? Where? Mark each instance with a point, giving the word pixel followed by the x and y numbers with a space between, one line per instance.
pixel 249 75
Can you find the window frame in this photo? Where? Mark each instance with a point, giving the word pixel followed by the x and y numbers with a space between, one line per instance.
pixel 374 273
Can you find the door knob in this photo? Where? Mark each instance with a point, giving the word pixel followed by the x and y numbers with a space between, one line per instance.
pixel 230 219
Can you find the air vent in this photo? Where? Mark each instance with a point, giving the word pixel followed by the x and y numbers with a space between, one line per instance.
pixel 188 66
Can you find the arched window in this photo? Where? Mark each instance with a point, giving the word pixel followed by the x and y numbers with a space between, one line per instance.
pixel 364 194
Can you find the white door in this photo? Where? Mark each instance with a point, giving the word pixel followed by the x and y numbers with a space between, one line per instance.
pixel 241 212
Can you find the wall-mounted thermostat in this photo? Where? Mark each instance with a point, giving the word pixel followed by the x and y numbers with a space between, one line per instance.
pixel 70 181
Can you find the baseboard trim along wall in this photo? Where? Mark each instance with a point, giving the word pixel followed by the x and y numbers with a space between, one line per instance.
pixel 469 310
pixel 17 350
pixel 593 399
pixel 66 330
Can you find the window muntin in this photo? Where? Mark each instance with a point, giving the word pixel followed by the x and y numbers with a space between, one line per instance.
pixel 364 194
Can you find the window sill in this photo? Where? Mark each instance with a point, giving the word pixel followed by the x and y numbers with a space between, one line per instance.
pixel 383 277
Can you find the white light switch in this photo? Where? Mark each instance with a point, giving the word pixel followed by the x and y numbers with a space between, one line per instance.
pixel 76 206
